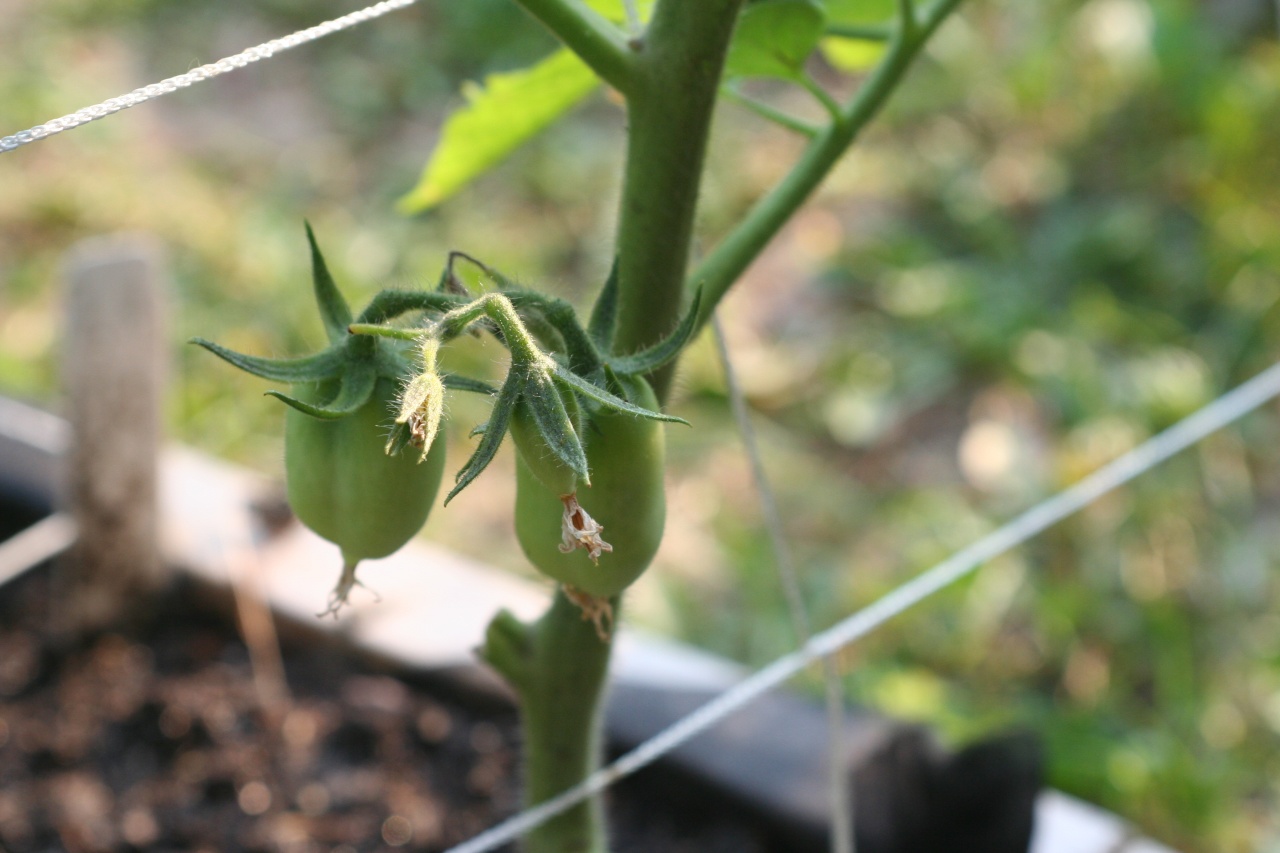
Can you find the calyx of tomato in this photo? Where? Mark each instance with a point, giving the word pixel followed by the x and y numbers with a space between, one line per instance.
pixel 584 423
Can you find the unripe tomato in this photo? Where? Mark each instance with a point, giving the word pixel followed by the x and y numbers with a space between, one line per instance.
pixel 343 485
pixel 626 498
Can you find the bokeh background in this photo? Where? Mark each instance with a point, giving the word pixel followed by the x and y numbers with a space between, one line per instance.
pixel 1062 236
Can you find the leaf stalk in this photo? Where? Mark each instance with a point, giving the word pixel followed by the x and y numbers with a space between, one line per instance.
pixel 722 267
pixel 594 39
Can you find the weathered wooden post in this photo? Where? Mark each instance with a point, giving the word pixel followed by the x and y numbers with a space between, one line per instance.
pixel 114 368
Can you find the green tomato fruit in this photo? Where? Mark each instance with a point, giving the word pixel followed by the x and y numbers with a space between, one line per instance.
pixel 341 483
pixel 626 499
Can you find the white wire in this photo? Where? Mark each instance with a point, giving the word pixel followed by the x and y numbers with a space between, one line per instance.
pixel 1217 414
pixel 204 72
pixel 42 541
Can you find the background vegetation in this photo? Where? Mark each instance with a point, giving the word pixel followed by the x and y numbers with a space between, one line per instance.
pixel 1063 235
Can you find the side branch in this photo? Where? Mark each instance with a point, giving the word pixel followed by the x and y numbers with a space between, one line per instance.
pixel 588 34
pixel 722 267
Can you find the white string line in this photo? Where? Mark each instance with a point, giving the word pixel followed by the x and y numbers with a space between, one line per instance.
pixel 42 541
pixel 196 75
pixel 1212 417
pixel 838 788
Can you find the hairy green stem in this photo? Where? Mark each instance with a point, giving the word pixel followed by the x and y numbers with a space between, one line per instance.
pixel 498 308
pixel 722 267
pixel 558 666
pixel 596 41
pixel 669 111
pixel 395 333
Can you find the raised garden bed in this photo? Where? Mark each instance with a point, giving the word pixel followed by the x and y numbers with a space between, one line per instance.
pixel 162 736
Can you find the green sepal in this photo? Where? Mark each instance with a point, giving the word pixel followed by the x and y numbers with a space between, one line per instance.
pixel 608 400
pixel 648 360
pixel 334 311
pixel 627 386
pixel 357 384
pixel 578 414
pixel 604 314
pixel 542 400
pixel 494 432
pixel 454 382
pixel 398 439
pixel 320 367
pixel 389 304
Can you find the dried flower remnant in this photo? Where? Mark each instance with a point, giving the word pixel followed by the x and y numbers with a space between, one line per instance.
pixel 598 611
pixel 340 595
pixel 579 530
pixel 422 400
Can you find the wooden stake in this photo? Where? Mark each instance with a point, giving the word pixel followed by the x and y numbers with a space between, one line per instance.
pixel 114 366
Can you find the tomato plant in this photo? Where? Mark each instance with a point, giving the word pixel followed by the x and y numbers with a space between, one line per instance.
pixel 583 401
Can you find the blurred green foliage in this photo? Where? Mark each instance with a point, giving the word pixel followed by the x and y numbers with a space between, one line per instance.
pixel 1063 236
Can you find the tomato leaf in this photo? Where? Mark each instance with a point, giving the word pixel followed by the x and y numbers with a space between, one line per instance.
pixel 774 38
pixel 500 115
pixel 845 12
pixel 853 54
pixel 616 11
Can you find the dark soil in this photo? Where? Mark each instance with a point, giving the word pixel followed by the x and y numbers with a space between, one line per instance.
pixel 156 737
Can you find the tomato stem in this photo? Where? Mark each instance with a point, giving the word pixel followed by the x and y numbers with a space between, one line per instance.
pixel 558 665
